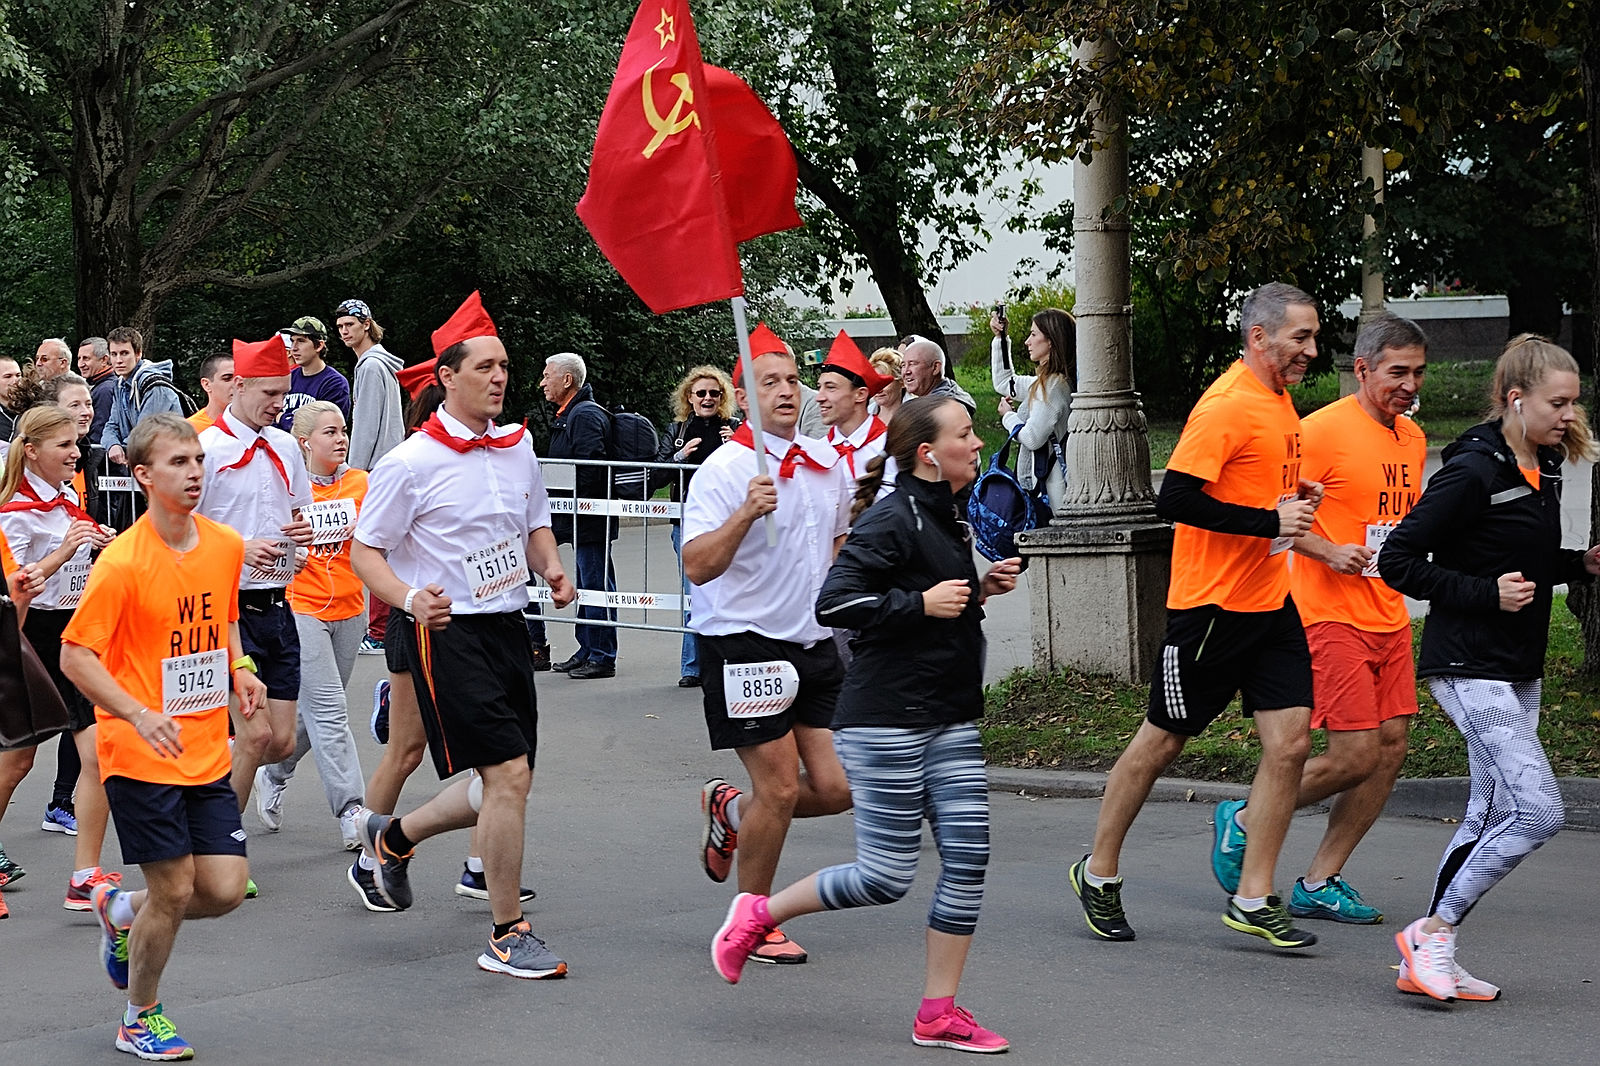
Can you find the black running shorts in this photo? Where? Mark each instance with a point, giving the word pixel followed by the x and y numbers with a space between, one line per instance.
pixel 1210 655
pixel 474 681
pixel 819 670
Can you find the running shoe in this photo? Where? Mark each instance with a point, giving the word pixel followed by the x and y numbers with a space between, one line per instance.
pixel 719 838
pixel 269 799
pixel 350 827
pixel 739 935
pixel 370 646
pixel 154 1038
pixel 1102 907
pixel 113 941
pixel 1270 923
pixel 380 712
pixel 81 897
pixel 1227 853
pixel 521 954
pixel 1430 960
pixel 1336 901
pixel 5 912
pixel 392 879
pixel 474 886
pixel 956 1029
pixel 1468 987
pixel 777 949
pixel 541 658
pixel 362 881
pixel 59 820
pixel 9 871
pixel 250 889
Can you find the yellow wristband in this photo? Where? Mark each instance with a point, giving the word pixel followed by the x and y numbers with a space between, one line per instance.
pixel 243 662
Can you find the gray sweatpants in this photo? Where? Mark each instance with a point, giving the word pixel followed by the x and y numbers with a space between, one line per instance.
pixel 322 726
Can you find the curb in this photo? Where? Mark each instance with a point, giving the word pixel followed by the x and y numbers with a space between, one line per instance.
pixel 1439 799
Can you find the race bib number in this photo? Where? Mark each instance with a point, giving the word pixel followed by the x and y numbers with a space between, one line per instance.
pixel 1377 536
pixel 759 690
pixel 281 571
pixel 74 578
pixel 332 521
pixel 194 683
pixel 1281 544
pixel 492 570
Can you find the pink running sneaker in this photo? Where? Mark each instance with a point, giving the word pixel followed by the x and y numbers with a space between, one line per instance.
pixel 776 947
pixel 1430 960
pixel 740 933
pixel 956 1029
pixel 1468 987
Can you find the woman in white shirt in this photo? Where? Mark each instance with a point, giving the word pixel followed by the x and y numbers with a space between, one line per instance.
pixel 44 524
pixel 1041 402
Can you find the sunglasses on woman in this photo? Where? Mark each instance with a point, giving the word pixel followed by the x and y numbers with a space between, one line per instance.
pixel 708 394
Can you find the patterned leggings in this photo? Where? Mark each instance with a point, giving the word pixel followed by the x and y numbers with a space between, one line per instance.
pixel 1515 805
pixel 898 777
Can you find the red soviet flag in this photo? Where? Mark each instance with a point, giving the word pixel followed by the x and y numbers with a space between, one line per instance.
pixel 657 203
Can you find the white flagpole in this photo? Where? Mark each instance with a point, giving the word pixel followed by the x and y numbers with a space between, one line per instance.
pixel 747 375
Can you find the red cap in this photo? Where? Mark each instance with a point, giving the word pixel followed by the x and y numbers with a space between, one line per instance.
pixel 844 355
pixel 469 321
pixel 762 342
pixel 415 378
pixel 261 359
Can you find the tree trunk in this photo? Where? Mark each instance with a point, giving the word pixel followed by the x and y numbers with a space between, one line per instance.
pixel 1534 301
pixel 1582 598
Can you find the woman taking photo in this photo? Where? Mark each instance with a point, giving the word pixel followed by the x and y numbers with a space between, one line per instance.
pixel 1491 519
pixel 329 604
pixel 903 726
pixel 703 406
pixel 45 525
pixel 1043 400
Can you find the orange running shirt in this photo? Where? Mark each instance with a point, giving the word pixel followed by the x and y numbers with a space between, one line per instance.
pixel 1243 440
pixel 1372 476
pixel 145 603
pixel 201 421
pixel 327 588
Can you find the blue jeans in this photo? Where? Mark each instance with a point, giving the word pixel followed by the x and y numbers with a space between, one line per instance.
pixel 689 661
pixel 596 644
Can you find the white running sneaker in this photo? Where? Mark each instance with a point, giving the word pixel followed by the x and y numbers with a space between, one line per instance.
pixel 269 800
pixel 1430 960
pixel 1468 987
pixel 350 827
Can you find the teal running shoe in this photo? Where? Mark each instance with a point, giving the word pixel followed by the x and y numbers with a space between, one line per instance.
pixel 1336 901
pixel 1227 854
pixel 153 1038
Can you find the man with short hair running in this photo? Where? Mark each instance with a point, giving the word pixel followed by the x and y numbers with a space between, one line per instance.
pixel 770 673
pixel 1234 491
pixel 155 644
pixel 1368 456
pixel 216 381
pixel 461 510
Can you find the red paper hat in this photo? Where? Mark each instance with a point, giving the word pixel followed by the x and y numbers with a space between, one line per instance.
pixel 469 321
pixel 844 355
pixel 261 359
pixel 762 342
pixel 416 378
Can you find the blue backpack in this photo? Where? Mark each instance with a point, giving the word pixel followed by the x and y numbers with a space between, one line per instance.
pixel 1000 508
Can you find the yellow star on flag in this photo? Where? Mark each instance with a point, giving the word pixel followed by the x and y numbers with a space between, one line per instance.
pixel 664 28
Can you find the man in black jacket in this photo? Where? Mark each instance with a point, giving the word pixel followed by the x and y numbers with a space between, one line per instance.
pixel 580 430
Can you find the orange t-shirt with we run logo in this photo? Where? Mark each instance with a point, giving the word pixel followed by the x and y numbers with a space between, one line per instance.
pixel 1243 440
pixel 146 603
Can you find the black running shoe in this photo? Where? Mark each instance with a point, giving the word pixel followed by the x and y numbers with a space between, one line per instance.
pixel 393 882
pixel 1102 907
pixel 1271 923
pixel 363 882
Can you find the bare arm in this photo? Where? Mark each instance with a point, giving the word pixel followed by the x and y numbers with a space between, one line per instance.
pixel 430 606
pixel 546 562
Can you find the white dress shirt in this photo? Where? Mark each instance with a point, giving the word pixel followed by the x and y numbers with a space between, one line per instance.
pixel 866 451
pixel 253 499
pixel 32 535
pixel 434 509
pixel 771 591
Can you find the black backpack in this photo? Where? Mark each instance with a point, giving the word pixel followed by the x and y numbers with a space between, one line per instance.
pixel 185 401
pixel 632 438
pixel 1000 508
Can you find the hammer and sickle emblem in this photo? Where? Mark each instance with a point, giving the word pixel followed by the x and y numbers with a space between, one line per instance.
pixel 674 121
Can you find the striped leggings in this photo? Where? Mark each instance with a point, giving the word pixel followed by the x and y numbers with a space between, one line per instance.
pixel 898 777
pixel 1515 805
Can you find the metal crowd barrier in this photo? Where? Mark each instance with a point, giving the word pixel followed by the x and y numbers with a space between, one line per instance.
pixel 651 592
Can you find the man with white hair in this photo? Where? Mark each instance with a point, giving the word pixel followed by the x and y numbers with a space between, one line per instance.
pixel 580 430
pixel 52 359
pixel 922 367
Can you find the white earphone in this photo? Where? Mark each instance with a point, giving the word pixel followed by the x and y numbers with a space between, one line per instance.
pixel 1517 403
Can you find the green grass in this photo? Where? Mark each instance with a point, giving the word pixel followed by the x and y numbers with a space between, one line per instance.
pixel 1070 720
pixel 1454 397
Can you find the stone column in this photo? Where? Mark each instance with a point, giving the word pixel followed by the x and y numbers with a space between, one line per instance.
pixel 1099 572
pixel 1372 295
